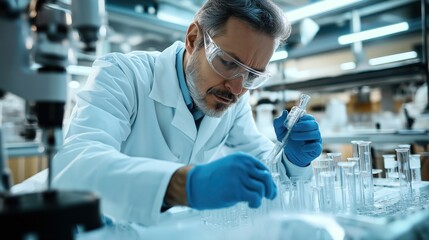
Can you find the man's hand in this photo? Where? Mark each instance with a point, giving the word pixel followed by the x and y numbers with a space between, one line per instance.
pixel 235 178
pixel 304 143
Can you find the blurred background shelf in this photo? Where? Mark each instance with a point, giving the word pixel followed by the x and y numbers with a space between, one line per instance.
pixel 378 136
pixel 369 76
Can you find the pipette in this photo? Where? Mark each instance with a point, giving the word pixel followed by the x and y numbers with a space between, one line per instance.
pixel 295 114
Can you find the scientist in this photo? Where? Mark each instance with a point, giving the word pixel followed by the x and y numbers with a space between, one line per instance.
pixel 147 126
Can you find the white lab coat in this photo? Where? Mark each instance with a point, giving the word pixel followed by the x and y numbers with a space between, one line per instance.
pixel 131 130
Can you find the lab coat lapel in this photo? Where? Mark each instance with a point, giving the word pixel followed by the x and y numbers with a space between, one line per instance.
pixel 184 121
pixel 207 127
pixel 166 90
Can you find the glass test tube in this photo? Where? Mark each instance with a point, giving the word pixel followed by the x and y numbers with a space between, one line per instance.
pixel 348 187
pixel 391 166
pixel 416 175
pixel 299 198
pixel 336 157
pixel 407 146
pixel 355 148
pixel 324 173
pixel 292 118
pixel 404 174
pixel 322 165
pixel 359 191
pixel 365 162
pixel 415 166
pixel 277 203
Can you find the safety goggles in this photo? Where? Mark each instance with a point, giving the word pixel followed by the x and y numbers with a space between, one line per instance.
pixel 229 68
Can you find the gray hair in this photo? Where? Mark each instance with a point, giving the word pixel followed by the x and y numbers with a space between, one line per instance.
pixel 261 15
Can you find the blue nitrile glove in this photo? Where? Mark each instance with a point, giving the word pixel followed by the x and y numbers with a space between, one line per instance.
pixel 304 143
pixel 238 177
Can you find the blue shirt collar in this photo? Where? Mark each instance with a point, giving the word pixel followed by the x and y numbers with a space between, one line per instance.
pixel 196 112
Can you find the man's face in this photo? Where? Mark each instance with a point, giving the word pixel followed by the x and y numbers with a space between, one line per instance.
pixel 211 92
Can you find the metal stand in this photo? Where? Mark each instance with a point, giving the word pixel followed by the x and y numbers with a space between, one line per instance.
pixel 51 214
pixel 5 176
pixel 48 215
pixel 425 50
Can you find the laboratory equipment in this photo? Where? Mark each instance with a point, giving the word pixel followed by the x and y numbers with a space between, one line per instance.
pixel 359 187
pixel 276 204
pixel 355 148
pixel 391 166
pixel 327 192
pixel 406 146
pixel 416 176
pixel 225 218
pixel 415 166
pixel 348 187
pixel 295 114
pixel 271 161
pixel 53 213
pixel 365 162
pixel 324 175
pixel 336 156
pixel 299 195
pixel 404 174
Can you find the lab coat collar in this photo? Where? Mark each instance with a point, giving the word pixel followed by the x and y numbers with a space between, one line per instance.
pixel 166 90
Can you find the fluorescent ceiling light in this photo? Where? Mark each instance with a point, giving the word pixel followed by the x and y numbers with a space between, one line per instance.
pixel 317 8
pixel 280 55
pixel 348 66
pixel 373 33
pixel 78 70
pixel 172 14
pixel 172 18
pixel 74 84
pixel 393 58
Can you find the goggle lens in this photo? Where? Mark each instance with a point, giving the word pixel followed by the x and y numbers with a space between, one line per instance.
pixel 229 68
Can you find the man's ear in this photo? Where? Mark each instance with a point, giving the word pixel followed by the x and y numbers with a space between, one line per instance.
pixel 192 35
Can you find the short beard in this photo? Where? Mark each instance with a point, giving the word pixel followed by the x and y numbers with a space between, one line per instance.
pixel 192 75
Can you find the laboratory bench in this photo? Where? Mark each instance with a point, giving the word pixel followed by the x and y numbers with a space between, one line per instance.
pixel 26 158
pixel 388 220
pixel 24 149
